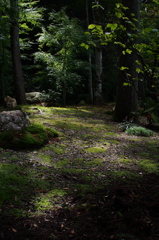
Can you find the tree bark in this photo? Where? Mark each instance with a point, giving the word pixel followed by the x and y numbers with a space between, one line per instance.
pixel 98 80
pixel 127 99
pixel 15 51
pixel 90 85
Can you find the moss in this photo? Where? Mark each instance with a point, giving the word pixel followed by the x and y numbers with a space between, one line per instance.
pixel 124 160
pixel 144 154
pixel 57 150
pixel 46 201
pixel 52 132
pixel 96 150
pixel 45 158
pixel 14 158
pixel 27 140
pixel 149 166
pixel 83 189
pixel 34 136
pixel 114 141
pixel 73 171
pixel 94 163
pixel 62 163
pixel 12 182
pixel 124 175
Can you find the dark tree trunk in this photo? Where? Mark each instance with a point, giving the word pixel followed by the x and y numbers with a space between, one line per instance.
pixel 15 51
pixel 98 80
pixel 90 85
pixel 98 99
pixel 127 88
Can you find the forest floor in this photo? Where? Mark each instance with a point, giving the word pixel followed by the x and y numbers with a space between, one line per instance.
pixel 93 182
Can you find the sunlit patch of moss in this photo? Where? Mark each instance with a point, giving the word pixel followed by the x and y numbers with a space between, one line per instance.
pixel 114 141
pixel 62 163
pixel 68 125
pixel 96 149
pixel 44 158
pixel 47 201
pixel 136 139
pixel 89 136
pixel 149 166
pixel 57 150
pixel 111 134
pixel 105 143
pixel 125 160
pixel 94 163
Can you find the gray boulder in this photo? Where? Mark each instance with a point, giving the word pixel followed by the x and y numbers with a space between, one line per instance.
pixel 15 120
pixel 33 97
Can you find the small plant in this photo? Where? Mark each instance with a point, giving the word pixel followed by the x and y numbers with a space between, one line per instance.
pixel 126 124
pixel 139 131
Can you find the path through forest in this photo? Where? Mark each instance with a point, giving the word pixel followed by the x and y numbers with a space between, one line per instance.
pixel 92 182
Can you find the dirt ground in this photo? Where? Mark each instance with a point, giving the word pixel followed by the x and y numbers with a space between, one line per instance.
pixel 93 182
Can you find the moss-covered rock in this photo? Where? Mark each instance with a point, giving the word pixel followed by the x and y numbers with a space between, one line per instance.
pixel 33 136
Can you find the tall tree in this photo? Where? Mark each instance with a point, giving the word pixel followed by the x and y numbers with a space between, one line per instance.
pixel 90 79
pixel 15 51
pixel 98 59
pixel 126 99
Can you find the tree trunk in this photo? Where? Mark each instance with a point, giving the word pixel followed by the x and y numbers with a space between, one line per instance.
pixel 127 88
pixel 90 85
pixel 15 51
pixel 98 60
pixel 98 81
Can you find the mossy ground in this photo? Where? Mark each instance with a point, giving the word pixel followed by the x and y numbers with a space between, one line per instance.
pixel 92 182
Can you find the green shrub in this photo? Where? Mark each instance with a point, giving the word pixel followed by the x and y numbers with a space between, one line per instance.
pixel 139 131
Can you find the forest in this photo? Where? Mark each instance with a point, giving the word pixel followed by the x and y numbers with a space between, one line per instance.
pixel 81 161
pixel 95 52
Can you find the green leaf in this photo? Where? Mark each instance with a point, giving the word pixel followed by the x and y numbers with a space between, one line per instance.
pixel 123 68
pixel 118 5
pixel 128 51
pixel 127 84
pixel 138 70
pixel 112 26
pixel 91 26
pixel 119 14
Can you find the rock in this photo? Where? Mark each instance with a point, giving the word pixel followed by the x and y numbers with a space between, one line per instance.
pixel 33 97
pixel 10 102
pixel 15 120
